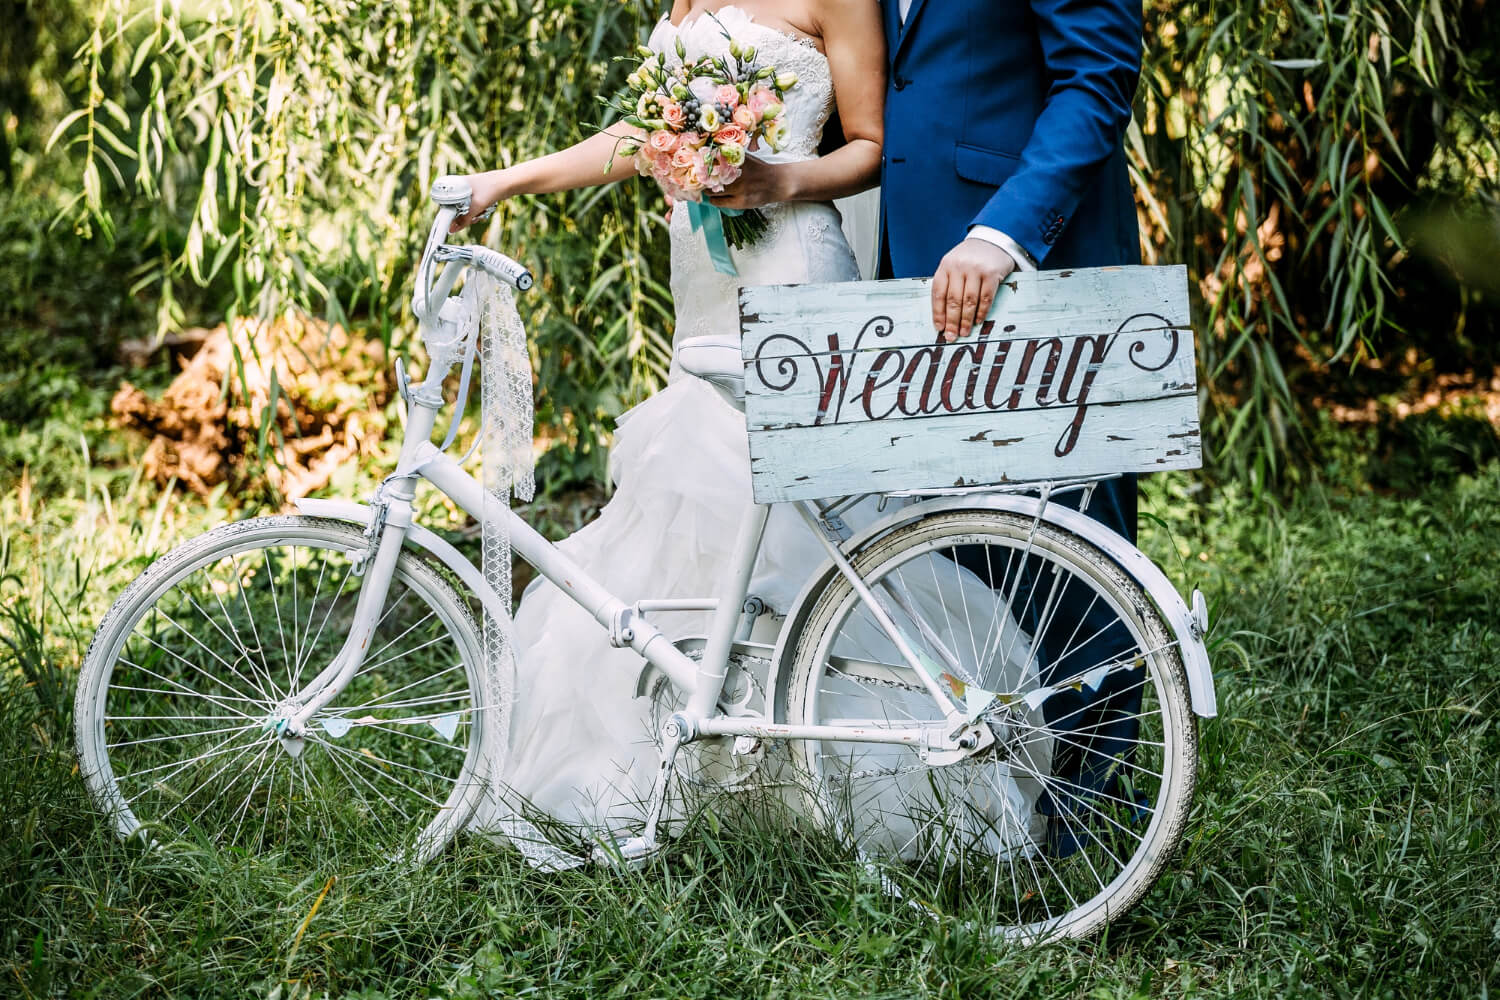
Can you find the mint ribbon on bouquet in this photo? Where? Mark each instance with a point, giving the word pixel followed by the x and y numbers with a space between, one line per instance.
pixel 709 218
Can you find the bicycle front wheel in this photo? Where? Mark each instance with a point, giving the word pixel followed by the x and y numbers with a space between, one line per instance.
pixel 1069 815
pixel 191 668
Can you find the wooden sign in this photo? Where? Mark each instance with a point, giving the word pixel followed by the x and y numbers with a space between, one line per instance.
pixel 1074 373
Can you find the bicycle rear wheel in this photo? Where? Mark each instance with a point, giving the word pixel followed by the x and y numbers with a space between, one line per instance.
pixel 180 689
pixel 1067 819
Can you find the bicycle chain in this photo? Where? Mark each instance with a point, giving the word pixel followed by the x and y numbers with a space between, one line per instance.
pixel 895 772
pixel 771 746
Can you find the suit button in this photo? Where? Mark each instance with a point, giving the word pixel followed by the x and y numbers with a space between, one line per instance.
pixel 901 82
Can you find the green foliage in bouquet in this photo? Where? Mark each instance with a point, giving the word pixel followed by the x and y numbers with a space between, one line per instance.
pixel 698 119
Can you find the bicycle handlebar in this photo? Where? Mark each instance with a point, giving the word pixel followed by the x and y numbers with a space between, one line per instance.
pixel 453 195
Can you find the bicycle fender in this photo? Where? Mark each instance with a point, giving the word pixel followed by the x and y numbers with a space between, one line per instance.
pixel 1188 627
pixel 422 538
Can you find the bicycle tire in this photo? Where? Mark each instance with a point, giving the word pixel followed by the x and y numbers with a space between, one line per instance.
pixel 197 653
pixel 946 840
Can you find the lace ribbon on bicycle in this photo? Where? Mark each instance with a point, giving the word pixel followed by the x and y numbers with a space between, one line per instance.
pixel 505 438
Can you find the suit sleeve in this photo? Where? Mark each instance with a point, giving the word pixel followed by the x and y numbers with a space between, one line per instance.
pixel 1091 50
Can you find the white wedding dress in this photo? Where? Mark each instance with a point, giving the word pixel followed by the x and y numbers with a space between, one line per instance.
pixel 581 744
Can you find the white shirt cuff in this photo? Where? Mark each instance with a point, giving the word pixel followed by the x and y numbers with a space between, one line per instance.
pixel 1024 260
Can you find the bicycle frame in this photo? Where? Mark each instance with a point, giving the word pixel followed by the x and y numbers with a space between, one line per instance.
pixel 627 625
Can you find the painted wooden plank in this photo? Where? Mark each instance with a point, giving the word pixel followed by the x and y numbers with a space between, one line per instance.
pixel 977 373
pixel 1038 303
pixel 1073 373
pixel 805 463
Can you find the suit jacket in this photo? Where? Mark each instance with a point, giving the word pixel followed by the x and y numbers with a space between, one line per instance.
pixel 1010 114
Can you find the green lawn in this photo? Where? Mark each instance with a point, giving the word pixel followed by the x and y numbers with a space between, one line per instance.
pixel 1341 845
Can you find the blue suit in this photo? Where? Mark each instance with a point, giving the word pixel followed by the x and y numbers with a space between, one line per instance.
pixel 1011 114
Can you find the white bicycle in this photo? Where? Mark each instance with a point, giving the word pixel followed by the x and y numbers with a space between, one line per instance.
pixel 307 684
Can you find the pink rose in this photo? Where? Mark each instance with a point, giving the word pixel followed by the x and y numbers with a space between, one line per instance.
pixel 672 114
pixel 684 157
pixel 744 118
pixel 691 139
pixel 761 98
pixel 732 134
pixel 682 184
pixel 662 141
pixel 727 95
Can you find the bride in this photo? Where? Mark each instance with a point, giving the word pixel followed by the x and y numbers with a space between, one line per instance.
pixel 581 744
pixel 582 748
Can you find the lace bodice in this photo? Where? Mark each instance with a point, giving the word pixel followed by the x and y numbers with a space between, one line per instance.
pixel 808 104
pixel 803 242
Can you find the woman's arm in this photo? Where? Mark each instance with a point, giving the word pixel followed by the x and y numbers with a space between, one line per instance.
pixel 582 164
pixel 855 43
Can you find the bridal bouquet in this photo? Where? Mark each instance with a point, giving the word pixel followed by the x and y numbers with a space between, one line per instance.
pixel 701 118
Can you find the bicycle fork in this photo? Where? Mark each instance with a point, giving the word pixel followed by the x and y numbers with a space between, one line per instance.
pixel 386 532
pixel 291 719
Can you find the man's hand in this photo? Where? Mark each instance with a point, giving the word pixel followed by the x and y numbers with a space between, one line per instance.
pixel 965 285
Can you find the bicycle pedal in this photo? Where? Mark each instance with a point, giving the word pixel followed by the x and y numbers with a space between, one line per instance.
pixel 631 852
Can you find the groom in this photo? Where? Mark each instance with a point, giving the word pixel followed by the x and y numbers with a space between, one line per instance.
pixel 1004 123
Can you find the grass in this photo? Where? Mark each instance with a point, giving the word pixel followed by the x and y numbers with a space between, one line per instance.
pixel 1341 842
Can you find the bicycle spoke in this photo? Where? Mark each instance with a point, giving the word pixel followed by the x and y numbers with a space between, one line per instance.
pixel 254 628
pixel 181 736
pixel 374 813
pixel 409 629
pixel 433 699
pixel 172 718
pixel 235 643
pixel 276 606
pixel 175 655
pixel 206 781
pixel 186 692
pixel 374 764
pixel 296 630
pixel 460 748
pixel 181 766
pixel 392 659
pixel 239 643
pixel 332 603
pixel 255 765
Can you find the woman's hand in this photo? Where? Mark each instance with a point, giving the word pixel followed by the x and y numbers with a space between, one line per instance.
pixel 760 183
pixel 487 190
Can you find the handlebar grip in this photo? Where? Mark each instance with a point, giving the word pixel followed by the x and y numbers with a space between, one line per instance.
pixel 501 267
pixel 453 192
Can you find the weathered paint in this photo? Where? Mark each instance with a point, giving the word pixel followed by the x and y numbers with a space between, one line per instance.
pixel 1073 373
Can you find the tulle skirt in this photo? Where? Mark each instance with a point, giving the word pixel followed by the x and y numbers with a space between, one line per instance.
pixel 582 746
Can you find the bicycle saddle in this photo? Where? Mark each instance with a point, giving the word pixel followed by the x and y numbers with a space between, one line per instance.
pixel 716 360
